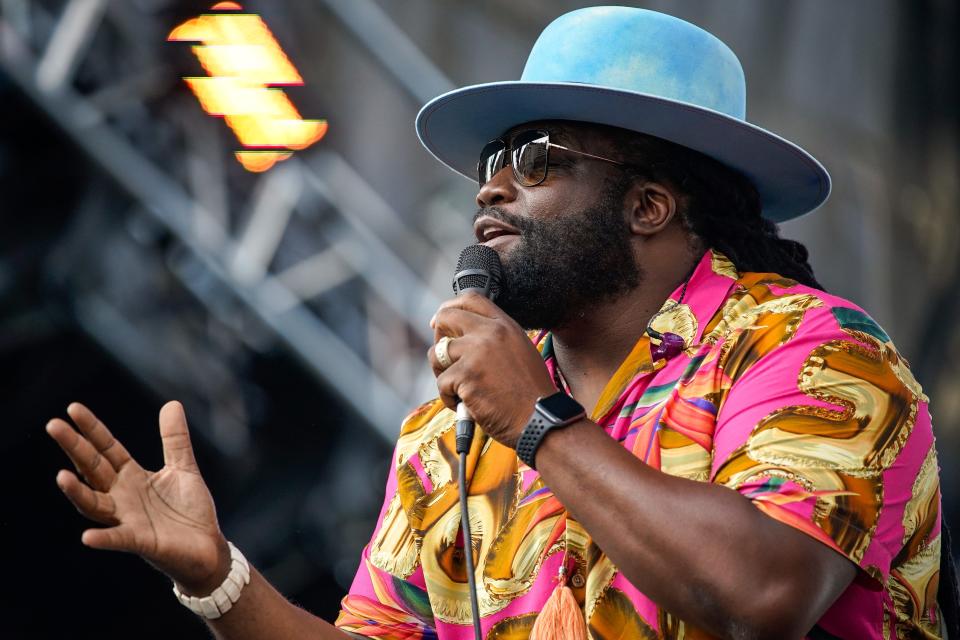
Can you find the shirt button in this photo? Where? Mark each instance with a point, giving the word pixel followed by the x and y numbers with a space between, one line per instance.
pixel 577 581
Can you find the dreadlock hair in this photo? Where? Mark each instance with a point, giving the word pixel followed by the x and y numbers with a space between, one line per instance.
pixel 718 205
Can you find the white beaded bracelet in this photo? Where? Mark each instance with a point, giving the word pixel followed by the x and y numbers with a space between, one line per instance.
pixel 223 597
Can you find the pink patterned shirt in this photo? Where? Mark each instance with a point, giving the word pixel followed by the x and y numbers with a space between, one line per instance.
pixel 794 398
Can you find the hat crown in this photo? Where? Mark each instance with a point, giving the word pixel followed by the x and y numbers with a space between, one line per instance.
pixel 642 51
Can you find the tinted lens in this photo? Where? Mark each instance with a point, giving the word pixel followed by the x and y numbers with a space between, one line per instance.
pixel 492 159
pixel 529 157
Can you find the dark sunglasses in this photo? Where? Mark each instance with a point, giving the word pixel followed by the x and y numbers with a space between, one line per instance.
pixel 529 153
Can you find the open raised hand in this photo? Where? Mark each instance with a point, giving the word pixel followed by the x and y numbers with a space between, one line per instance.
pixel 167 517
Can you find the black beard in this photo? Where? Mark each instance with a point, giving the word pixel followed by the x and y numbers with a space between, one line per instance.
pixel 558 269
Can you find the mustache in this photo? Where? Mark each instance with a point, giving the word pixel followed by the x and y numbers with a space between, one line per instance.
pixel 521 223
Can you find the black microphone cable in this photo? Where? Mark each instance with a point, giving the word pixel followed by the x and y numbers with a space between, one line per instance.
pixel 468 542
pixel 478 269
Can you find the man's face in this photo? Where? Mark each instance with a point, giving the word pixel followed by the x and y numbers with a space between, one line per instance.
pixel 572 249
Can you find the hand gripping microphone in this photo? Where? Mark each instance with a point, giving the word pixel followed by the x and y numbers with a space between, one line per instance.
pixel 478 269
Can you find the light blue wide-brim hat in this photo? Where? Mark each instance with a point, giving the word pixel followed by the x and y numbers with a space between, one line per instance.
pixel 638 70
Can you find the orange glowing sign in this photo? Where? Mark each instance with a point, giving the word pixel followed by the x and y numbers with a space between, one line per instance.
pixel 244 62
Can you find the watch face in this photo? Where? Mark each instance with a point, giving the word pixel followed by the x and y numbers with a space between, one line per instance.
pixel 561 406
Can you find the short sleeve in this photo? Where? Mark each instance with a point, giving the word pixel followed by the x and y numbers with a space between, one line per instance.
pixel 827 432
pixel 388 598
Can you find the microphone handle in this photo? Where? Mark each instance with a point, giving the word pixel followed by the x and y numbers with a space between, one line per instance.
pixel 465 427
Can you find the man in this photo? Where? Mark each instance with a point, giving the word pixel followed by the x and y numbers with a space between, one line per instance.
pixel 757 460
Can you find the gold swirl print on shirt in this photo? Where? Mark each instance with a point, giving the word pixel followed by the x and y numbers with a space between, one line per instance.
pixel 673 628
pixel 513 628
pixel 845 449
pixel 494 485
pixel 920 514
pixel 913 587
pixel 396 546
pixel 615 617
pixel 915 575
pixel 521 546
pixel 722 266
pixel 755 327
pixel 420 527
pixel 601 573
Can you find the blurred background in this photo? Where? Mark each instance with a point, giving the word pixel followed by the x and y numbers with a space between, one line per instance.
pixel 288 309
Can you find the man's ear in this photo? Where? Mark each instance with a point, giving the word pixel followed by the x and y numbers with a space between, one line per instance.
pixel 650 206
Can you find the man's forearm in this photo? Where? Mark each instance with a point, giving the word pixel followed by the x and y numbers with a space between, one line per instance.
pixel 262 613
pixel 690 546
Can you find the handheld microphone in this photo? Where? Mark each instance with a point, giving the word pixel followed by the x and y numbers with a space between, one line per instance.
pixel 478 269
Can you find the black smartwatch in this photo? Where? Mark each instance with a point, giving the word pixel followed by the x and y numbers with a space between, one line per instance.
pixel 550 412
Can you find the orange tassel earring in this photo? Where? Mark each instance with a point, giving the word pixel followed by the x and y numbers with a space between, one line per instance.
pixel 560 618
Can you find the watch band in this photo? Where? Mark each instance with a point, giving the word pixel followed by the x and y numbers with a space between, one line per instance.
pixel 536 429
pixel 531 437
pixel 223 597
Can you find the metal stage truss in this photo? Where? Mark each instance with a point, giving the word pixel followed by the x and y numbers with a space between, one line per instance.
pixel 310 255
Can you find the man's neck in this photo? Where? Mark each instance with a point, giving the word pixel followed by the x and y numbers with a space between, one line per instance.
pixel 591 348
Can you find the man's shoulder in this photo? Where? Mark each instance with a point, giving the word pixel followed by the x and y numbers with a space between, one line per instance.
pixel 768 318
pixel 814 312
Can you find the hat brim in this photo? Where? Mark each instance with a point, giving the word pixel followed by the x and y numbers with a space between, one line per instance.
pixel 456 125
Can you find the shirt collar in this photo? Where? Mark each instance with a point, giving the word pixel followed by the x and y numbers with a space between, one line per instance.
pixel 709 287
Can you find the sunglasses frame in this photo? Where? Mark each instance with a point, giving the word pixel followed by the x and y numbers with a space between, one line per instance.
pixel 506 146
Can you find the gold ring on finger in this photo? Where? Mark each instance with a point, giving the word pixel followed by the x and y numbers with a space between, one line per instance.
pixel 441 350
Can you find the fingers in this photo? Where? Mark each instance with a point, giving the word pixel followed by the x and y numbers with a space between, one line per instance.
pixel 177 449
pixel 453 322
pixel 456 347
pixel 98 435
pixel 447 386
pixel 474 303
pixel 119 538
pixel 89 462
pixel 96 505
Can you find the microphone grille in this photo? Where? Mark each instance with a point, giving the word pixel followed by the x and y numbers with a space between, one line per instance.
pixel 478 257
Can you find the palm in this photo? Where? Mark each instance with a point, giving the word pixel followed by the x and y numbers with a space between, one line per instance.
pixel 162 512
pixel 167 517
